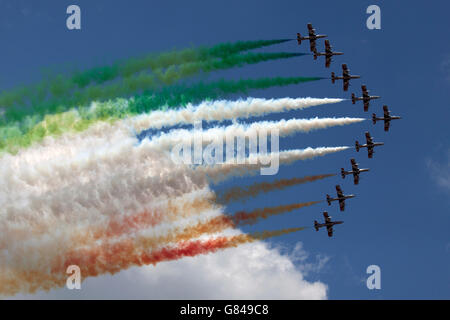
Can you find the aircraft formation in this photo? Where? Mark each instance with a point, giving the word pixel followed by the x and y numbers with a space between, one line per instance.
pixel 365 98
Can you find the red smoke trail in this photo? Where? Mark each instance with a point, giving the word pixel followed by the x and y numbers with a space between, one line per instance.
pixel 237 193
pixel 127 224
pixel 121 225
pixel 243 217
pixel 112 257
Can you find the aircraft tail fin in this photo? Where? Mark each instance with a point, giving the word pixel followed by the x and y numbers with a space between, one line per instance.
pixel 333 77
pixel 343 173
pixel 299 39
pixel 329 199
pixel 316 225
pixel 374 118
pixel 315 54
pixel 357 146
pixel 353 98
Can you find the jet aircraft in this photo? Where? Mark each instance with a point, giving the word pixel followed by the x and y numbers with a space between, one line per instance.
pixel 365 97
pixel 328 54
pixel 370 145
pixel 341 197
pixel 386 118
pixel 346 77
pixel 312 37
pixel 355 171
pixel 328 224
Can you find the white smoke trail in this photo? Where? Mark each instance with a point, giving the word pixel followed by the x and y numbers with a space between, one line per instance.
pixel 224 110
pixel 165 141
pixel 255 162
pixel 102 134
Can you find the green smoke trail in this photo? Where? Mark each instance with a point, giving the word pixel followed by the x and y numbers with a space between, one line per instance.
pixel 76 120
pixel 26 117
pixel 60 85
pixel 164 60
pixel 175 73
pixel 177 96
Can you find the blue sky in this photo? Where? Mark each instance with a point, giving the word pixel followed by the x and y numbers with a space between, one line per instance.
pixel 399 219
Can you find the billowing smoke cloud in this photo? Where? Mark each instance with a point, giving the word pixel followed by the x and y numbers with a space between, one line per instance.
pixel 116 256
pixel 107 148
pixel 266 274
pixel 52 234
pixel 82 186
pixel 17 136
pixel 57 191
pixel 24 117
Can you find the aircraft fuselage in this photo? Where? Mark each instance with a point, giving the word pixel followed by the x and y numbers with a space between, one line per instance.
pixel 329 54
pixel 346 77
pixel 314 37
pixel 358 171
pixel 328 224
pixel 368 98
pixel 388 118
pixel 318 36
pixel 376 144
pixel 371 145
pixel 345 197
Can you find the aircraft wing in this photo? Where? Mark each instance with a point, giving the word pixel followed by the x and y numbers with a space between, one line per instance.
pixel 339 191
pixel 354 164
pixel 346 83
pixel 312 45
pixel 370 150
pixel 364 90
pixel 330 231
pixel 355 178
pixel 386 111
pixel 311 31
pixel 386 125
pixel 327 61
pixel 326 217
pixel 366 105
pixel 327 46
pixel 368 138
pixel 342 204
pixel 345 71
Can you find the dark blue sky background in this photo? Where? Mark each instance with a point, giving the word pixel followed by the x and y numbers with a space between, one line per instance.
pixel 400 217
